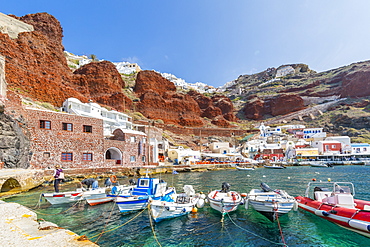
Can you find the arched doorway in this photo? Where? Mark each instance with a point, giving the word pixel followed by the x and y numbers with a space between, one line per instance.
pixel 11 184
pixel 114 154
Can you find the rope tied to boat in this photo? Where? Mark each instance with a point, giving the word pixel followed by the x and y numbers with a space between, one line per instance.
pixel 152 227
pixel 254 234
pixel 278 221
pixel 114 228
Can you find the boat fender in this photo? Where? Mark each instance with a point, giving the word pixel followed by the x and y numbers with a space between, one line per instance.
pixel 113 179
pixel 203 196
pixel 184 210
pixel 200 203
pixel 361 225
pixel 206 201
pixel 194 210
pixel 295 206
pixel 322 213
pixel 244 195
pixel 246 203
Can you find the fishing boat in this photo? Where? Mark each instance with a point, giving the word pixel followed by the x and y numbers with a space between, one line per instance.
pixel 334 201
pixel 108 194
pixel 241 168
pixel 175 205
pixel 319 164
pixel 92 196
pixel 270 203
pixel 147 188
pixel 64 197
pixel 224 200
pixel 274 166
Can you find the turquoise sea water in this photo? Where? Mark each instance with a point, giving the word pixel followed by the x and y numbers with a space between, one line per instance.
pixel 240 228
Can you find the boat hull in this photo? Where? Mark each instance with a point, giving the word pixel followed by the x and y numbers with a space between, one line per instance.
pixel 132 203
pixel 64 197
pixel 354 219
pixel 272 210
pixel 224 202
pixel 161 210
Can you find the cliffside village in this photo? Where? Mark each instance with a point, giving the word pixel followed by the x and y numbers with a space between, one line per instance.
pixel 85 135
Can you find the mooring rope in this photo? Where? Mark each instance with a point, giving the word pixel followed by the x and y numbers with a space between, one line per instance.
pixel 77 202
pixel 106 222
pixel 281 231
pixel 254 234
pixel 114 228
pixel 151 225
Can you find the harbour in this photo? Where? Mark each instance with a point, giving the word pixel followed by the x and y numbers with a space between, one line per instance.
pixel 106 226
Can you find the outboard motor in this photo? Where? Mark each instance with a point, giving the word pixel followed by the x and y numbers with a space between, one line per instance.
pixel 265 187
pixel 225 187
pixel 132 181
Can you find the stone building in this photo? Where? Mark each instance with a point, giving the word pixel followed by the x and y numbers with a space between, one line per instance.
pixel 78 142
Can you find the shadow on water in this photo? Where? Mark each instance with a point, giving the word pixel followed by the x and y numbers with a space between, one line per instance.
pixel 244 227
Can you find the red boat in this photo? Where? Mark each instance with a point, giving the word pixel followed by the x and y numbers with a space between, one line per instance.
pixel 334 201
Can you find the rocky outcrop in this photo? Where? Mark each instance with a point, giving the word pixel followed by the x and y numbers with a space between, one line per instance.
pixel 14 144
pixel 149 80
pixel 101 82
pixel 36 67
pixel 278 105
pixel 356 84
pixel 172 108
pixel 214 107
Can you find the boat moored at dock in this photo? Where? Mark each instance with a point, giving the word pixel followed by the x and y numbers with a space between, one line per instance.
pixel 334 201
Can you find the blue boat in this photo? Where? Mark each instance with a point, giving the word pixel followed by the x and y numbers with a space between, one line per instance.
pixel 146 189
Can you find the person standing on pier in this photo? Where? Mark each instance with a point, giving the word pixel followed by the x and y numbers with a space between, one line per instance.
pixel 58 176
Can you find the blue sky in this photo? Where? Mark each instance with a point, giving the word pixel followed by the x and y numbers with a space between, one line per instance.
pixel 212 41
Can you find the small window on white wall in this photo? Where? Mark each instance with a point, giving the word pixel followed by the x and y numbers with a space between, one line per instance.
pixel 132 139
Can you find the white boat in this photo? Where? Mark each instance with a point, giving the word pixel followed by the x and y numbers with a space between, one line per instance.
pixel 224 200
pixel 176 205
pixel 244 168
pixel 318 164
pixel 274 166
pixel 92 196
pixel 147 188
pixel 108 194
pixel 64 197
pixel 270 203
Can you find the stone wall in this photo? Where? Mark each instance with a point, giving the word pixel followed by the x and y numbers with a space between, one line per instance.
pixel 47 145
pixel 12 26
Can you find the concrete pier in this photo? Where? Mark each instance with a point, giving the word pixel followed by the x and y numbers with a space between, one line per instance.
pixel 17 180
pixel 20 227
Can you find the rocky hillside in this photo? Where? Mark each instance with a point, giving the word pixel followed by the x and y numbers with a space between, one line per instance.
pixel 279 93
pixel 36 67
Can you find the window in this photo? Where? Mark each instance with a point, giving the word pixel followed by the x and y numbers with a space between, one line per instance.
pixel 143 158
pixel 67 126
pixel 44 124
pixel 132 139
pixel 132 158
pixel 67 156
pixel 87 128
pixel 87 157
pixel 46 155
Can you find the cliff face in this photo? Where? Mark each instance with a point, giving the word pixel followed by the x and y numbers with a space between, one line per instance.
pixel 36 67
pixel 159 100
